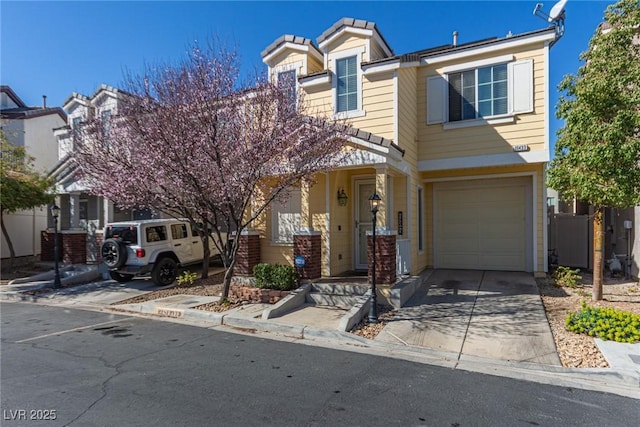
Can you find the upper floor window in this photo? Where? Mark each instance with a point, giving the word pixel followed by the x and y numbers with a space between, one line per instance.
pixel 478 93
pixel 287 83
pixel 347 84
pixel 106 121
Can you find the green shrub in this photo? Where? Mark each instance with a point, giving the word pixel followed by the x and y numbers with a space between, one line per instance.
pixel 275 276
pixel 605 323
pixel 186 278
pixel 565 276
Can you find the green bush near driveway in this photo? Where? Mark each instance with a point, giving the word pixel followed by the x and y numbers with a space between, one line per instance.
pixel 607 324
pixel 276 276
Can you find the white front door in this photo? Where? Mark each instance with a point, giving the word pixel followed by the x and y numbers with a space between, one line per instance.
pixel 364 189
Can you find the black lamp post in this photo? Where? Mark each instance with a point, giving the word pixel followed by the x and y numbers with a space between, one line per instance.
pixel 55 213
pixel 374 202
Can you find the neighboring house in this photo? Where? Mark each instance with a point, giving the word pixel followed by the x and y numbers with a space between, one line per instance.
pixel 453 138
pixel 82 212
pixel 31 128
pixel 571 228
pixel 571 236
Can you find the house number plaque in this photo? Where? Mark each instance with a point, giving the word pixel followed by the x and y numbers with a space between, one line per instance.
pixel 400 223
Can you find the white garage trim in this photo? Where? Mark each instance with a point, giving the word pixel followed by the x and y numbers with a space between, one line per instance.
pixel 499 181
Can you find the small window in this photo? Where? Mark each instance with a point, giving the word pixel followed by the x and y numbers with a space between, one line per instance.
pixel 286 218
pixel 179 231
pixel 156 233
pixel 287 83
pixel 106 126
pixel 347 84
pixel 128 234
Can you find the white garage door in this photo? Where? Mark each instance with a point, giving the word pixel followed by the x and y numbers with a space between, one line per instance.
pixel 483 224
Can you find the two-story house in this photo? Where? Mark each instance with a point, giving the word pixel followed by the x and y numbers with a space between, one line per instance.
pixel 82 213
pixel 30 128
pixel 454 139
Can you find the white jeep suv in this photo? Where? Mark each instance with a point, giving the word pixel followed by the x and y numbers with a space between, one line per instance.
pixel 156 246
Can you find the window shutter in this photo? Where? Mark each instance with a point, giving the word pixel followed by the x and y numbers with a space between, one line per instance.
pixel 436 95
pixel 521 87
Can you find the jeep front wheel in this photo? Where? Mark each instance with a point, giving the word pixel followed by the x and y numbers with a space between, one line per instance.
pixel 164 272
pixel 114 253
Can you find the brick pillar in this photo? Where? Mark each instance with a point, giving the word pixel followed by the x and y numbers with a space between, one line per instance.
pixel 99 239
pixel 74 247
pixel 248 254
pixel 309 245
pixel 47 245
pixel 385 258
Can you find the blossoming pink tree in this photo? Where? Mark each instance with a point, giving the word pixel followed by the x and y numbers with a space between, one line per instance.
pixel 190 140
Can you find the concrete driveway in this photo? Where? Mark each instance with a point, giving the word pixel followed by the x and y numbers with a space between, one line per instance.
pixel 489 314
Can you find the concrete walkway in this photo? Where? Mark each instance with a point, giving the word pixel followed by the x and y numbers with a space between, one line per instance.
pixel 496 315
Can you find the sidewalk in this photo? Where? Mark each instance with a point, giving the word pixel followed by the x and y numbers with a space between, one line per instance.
pixel 457 319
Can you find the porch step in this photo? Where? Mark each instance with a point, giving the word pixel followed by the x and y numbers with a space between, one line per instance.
pixel 335 294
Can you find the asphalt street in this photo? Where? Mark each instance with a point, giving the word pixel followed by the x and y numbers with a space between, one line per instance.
pixel 62 366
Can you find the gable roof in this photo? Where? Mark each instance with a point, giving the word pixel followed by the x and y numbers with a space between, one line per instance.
pixel 358 24
pixel 22 111
pixel 14 97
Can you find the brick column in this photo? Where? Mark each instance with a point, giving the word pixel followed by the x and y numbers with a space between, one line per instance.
pixel 248 254
pixel 99 239
pixel 47 245
pixel 309 245
pixel 74 247
pixel 385 257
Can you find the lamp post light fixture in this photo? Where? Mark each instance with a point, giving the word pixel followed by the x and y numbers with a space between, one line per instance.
pixel 55 213
pixel 374 202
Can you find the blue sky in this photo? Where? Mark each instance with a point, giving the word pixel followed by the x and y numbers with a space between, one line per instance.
pixel 59 47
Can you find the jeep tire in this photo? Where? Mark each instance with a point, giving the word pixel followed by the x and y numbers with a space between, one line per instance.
pixel 120 277
pixel 164 271
pixel 114 253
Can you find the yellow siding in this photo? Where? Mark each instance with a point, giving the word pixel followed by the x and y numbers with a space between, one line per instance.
pixel 437 143
pixel 346 42
pixel 313 65
pixel 289 57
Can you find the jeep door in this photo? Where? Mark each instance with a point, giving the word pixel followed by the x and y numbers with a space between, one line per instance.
pixel 183 245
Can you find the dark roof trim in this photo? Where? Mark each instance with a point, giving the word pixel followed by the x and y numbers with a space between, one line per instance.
pixel 374 139
pixel 287 38
pixel 354 23
pixel 7 89
pixel 32 112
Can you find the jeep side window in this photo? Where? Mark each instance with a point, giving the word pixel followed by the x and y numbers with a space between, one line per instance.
pixel 179 231
pixel 127 234
pixel 156 234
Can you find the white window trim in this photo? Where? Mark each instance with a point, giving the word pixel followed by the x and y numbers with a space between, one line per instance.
pixel 333 57
pixel 508 117
pixel 492 120
pixel 484 120
pixel 497 60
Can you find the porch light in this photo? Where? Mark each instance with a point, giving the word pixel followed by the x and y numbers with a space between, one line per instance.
pixel 374 203
pixel 342 197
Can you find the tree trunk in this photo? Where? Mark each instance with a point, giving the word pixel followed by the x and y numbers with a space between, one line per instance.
pixel 229 261
pixel 12 252
pixel 598 256
pixel 205 256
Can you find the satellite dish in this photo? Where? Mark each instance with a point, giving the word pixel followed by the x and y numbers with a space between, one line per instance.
pixel 557 11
